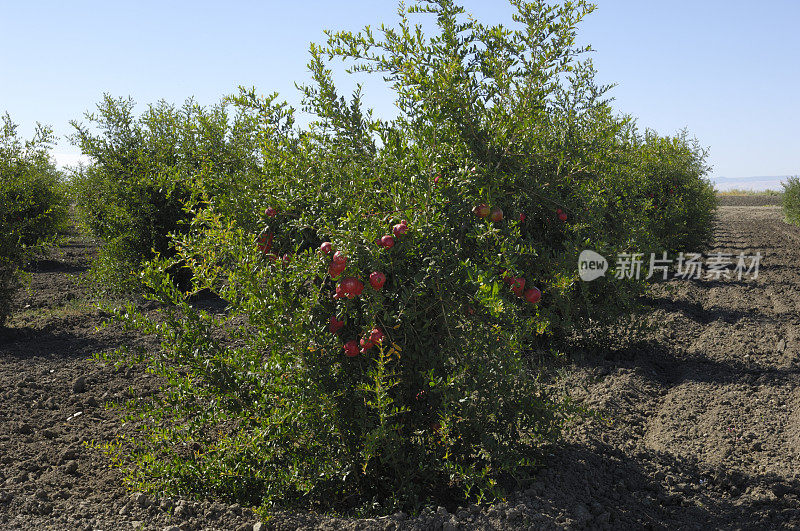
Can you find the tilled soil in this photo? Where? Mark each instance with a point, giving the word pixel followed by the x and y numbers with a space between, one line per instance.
pixel 699 424
pixel 750 200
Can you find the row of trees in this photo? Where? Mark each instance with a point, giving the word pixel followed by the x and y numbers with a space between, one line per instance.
pixel 33 204
pixel 791 200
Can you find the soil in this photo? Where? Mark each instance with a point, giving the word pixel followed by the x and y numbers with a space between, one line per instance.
pixel 698 422
pixel 750 200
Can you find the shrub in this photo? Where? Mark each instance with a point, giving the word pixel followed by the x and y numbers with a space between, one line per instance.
pixel 288 397
pixel 142 171
pixel 791 200
pixel 33 209
pixel 681 201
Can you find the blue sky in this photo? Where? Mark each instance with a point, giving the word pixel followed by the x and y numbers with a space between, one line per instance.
pixel 725 70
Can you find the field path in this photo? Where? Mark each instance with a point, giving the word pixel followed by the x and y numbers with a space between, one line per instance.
pixel 698 427
pixel 705 415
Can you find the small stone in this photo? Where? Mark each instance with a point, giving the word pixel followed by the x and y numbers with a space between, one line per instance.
pixel 79 385
pixel 781 489
pixel 24 429
pixel 141 499
pixel 71 467
pixel 258 526
pixel 450 525
pixel 581 511
pixel 602 519
pixel 441 511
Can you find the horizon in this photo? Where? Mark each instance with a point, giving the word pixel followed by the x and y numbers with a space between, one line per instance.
pixel 677 66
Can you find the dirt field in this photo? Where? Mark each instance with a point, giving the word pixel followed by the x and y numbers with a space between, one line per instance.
pixel 750 200
pixel 700 429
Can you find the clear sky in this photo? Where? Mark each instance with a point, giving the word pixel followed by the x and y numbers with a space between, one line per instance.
pixel 727 70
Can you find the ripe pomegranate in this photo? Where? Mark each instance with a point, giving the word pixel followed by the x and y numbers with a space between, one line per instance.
pixel 517 286
pixel 376 336
pixel 339 292
pixel 533 295
pixel 496 215
pixel 366 344
pixel 326 247
pixel 400 229
pixel 522 218
pixel 376 280
pixel 351 287
pixel 562 216
pixel 265 242
pixel 334 269
pixel 481 210
pixel 351 348
pixel 339 258
pixel 387 242
pixel 436 179
pixel 334 324
pixel 270 212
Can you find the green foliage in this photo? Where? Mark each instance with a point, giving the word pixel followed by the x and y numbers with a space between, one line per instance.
pixel 262 404
pixel 142 173
pixel 681 201
pixel 33 208
pixel 791 200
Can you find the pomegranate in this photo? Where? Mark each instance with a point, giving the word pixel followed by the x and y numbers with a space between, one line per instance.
pixel 376 280
pixel 517 286
pixel 265 242
pixel 334 269
pixel 334 324
pixel 481 210
pixel 533 295
pixel 376 336
pixel 351 348
pixel 496 215
pixel 351 287
pixel 400 229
